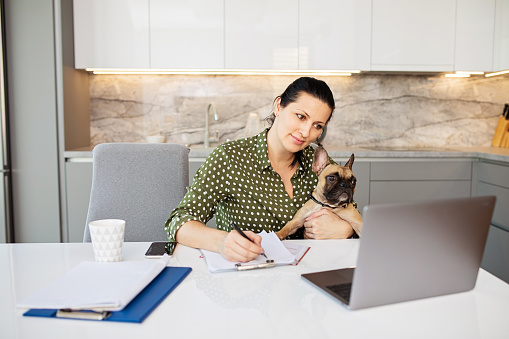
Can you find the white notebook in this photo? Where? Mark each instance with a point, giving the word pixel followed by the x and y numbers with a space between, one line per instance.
pixel 97 286
pixel 283 253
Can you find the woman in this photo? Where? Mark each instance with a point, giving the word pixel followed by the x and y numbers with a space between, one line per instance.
pixel 260 182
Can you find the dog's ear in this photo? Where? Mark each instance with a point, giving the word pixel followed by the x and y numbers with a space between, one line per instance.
pixel 349 163
pixel 320 160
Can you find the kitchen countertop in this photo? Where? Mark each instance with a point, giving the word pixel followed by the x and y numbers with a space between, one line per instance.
pixel 485 153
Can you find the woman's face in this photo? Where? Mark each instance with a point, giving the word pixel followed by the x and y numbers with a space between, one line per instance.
pixel 300 122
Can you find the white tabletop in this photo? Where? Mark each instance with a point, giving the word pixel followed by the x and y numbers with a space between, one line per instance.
pixel 267 303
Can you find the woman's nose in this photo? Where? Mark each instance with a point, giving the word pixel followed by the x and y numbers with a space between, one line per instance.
pixel 304 131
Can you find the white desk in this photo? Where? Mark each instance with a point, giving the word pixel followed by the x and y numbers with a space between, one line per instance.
pixel 269 303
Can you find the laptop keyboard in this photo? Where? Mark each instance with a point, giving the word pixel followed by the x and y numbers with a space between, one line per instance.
pixel 342 290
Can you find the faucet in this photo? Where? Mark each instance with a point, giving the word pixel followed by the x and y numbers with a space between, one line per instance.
pixel 207 140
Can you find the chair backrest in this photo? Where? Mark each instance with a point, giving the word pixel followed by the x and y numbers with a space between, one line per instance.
pixel 139 183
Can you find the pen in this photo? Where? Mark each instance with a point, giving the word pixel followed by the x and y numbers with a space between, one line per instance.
pixel 242 234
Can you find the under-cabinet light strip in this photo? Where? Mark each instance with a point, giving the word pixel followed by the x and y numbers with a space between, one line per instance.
pixel 222 71
pixel 457 75
pixel 497 73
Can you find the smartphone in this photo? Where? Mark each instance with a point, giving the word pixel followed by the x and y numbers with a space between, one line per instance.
pixel 158 248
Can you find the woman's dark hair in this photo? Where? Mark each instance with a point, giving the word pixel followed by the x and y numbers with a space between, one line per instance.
pixel 314 87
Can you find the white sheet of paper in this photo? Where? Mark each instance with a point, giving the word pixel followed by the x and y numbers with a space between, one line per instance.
pixel 97 285
pixel 274 250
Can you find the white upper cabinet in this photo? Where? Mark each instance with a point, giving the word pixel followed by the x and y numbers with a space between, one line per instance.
pixel 501 40
pixel 261 34
pixel 186 34
pixel 111 33
pixel 475 21
pixel 368 35
pixel 335 34
pixel 415 35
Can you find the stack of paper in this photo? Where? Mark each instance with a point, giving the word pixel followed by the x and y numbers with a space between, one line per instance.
pixel 97 286
pixel 281 253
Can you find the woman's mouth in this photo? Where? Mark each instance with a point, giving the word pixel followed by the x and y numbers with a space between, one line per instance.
pixel 297 141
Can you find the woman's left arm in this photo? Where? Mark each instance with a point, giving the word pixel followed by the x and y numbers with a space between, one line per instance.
pixel 324 224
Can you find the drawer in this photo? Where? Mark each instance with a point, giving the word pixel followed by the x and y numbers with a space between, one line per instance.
pixel 493 174
pixel 421 170
pixel 496 253
pixel 501 213
pixel 409 191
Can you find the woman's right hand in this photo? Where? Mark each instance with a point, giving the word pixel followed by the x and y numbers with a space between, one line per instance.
pixel 235 247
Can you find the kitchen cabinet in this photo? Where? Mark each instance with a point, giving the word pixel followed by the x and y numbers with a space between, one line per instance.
pixel 186 34
pixel 78 180
pixel 413 35
pixel 496 253
pixel 493 179
pixel 194 166
pixel 475 21
pixel 361 170
pixel 501 38
pixel 335 34
pixel 261 34
pixel 417 180
pixel 111 33
pixel 377 35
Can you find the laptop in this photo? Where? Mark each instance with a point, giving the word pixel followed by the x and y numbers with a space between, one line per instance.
pixel 410 251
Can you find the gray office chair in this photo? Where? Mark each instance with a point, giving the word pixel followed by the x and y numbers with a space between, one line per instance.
pixel 139 183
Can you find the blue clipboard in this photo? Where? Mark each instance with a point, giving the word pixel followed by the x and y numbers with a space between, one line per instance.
pixel 142 305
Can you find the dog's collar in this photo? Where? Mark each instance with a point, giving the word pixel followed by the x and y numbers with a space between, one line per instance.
pixel 321 203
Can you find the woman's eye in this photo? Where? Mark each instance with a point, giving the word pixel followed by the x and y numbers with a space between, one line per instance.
pixel 317 126
pixel 300 116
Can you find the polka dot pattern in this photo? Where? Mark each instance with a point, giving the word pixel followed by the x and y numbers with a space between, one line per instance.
pixel 237 183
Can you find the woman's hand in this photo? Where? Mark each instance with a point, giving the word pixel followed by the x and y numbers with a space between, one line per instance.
pixel 324 224
pixel 235 247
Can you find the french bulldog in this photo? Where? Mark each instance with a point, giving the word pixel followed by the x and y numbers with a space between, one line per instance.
pixel 335 189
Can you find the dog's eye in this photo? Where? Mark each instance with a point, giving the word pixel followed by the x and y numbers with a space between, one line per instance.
pixel 354 181
pixel 331 178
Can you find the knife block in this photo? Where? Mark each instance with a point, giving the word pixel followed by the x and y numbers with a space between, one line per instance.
pixel 501 136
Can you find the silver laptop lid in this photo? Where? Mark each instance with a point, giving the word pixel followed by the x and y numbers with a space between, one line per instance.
pixel 411 251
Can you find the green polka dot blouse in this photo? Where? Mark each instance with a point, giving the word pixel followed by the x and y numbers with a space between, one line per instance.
pixel 238 184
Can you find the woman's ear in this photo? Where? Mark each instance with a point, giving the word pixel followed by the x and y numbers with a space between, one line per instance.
pixel 277 106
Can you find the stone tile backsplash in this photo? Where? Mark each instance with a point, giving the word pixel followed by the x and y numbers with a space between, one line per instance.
pixel 371 110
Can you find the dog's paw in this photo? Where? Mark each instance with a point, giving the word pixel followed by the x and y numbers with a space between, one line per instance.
pixel 280 235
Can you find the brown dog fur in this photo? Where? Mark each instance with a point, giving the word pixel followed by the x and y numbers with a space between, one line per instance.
pixel 335 188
